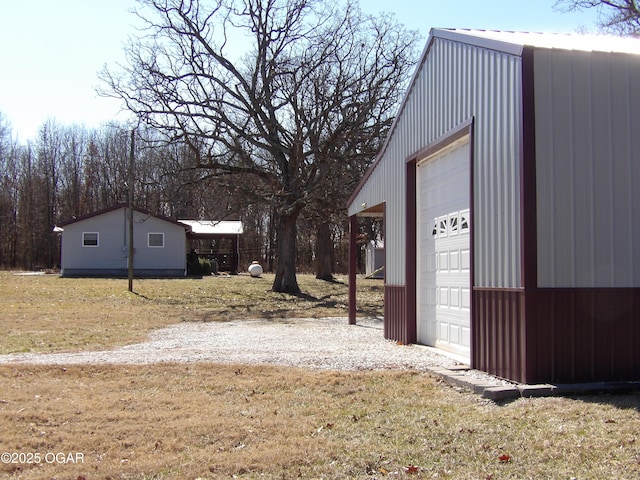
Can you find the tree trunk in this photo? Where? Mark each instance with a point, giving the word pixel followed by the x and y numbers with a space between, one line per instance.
pixel 324 252
pixel 286 281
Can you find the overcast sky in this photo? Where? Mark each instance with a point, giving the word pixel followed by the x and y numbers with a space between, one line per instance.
pixel 52 50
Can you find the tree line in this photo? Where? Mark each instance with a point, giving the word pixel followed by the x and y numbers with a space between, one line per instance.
pixel 70 170
pixel 276 134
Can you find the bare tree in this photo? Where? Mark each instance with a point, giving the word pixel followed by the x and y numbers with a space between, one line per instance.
pixel 621 17
pixel 8 193
pixel 314 76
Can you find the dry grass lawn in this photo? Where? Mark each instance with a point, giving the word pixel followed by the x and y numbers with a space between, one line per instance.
pixel 205 421
pixel 210 421
pixel 46 313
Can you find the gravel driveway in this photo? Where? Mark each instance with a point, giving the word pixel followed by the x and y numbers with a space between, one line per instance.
pixel 328 343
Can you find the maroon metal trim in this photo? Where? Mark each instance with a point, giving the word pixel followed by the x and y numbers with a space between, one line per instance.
pixel 528 217
pixel 353 253
pixel 497 334
pixel 573 335
pixel 465 128
pixel 585 335
pixel 533 337
pixel 497 289
pixel 411 255
pixel 395 326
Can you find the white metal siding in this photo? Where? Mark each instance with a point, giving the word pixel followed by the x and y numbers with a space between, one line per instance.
pixel 112 252
pixel 174 253
pixel 588 169
pixel 456 82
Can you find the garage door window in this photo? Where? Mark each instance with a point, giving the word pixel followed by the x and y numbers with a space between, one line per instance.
pixel 453 224
pixel 464 221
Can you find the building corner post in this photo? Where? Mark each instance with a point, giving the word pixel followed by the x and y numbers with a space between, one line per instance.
pixel 353 254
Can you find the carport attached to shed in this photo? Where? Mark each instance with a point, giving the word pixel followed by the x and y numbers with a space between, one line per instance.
pixel 218 241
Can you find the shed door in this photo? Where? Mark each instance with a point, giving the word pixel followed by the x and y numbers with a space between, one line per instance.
pixel 444 262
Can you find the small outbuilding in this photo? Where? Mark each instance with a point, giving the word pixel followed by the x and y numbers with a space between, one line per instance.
pixel 374 259
pixel 97 244
pixel 508 188
pixel 216 240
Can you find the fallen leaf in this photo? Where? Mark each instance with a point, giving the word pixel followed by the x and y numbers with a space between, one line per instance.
pixel 504 458
pixel 383 471
pixel 411 469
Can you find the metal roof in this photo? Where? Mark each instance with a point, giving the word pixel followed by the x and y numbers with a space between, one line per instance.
pixel 214 227
pixel 514 42
pixel 58 228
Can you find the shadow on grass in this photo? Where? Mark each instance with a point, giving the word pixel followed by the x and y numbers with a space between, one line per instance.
pixel 137 294
pixel 621 395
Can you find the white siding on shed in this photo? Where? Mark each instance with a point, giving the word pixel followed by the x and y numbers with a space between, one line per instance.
pixel 111 253
pixel 588 169
pixel 171 256
pixel 455 83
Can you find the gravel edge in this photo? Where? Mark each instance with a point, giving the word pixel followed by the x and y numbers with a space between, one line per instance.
pixel 319 344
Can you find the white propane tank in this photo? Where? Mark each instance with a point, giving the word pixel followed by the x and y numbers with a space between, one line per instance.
pixel 255 269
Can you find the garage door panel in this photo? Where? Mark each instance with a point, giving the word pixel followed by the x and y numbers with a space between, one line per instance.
pixel 454 297
pixel 455 261
pixel 443 265
pixel 465 256
pixel 444 283
pixel 466 298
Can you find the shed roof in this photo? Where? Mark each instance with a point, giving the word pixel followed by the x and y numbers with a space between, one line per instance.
pixel 214 227
pixel 80 218
pixel 514 42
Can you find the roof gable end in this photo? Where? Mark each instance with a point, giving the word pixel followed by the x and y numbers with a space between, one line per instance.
pixel 118 207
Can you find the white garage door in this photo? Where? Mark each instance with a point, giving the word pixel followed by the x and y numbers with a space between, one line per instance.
pixel 444 275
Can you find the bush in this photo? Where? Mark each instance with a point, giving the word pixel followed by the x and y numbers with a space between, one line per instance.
pixel 199 266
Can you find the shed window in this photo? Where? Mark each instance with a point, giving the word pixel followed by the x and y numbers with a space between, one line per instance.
pixel 156 240
pixel 89 239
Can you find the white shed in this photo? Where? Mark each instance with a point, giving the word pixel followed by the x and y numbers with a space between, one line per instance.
pixel 374 259
pixel 508 190
pixel 97 244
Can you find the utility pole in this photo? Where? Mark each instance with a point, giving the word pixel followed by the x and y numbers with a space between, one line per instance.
pixel 131 178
